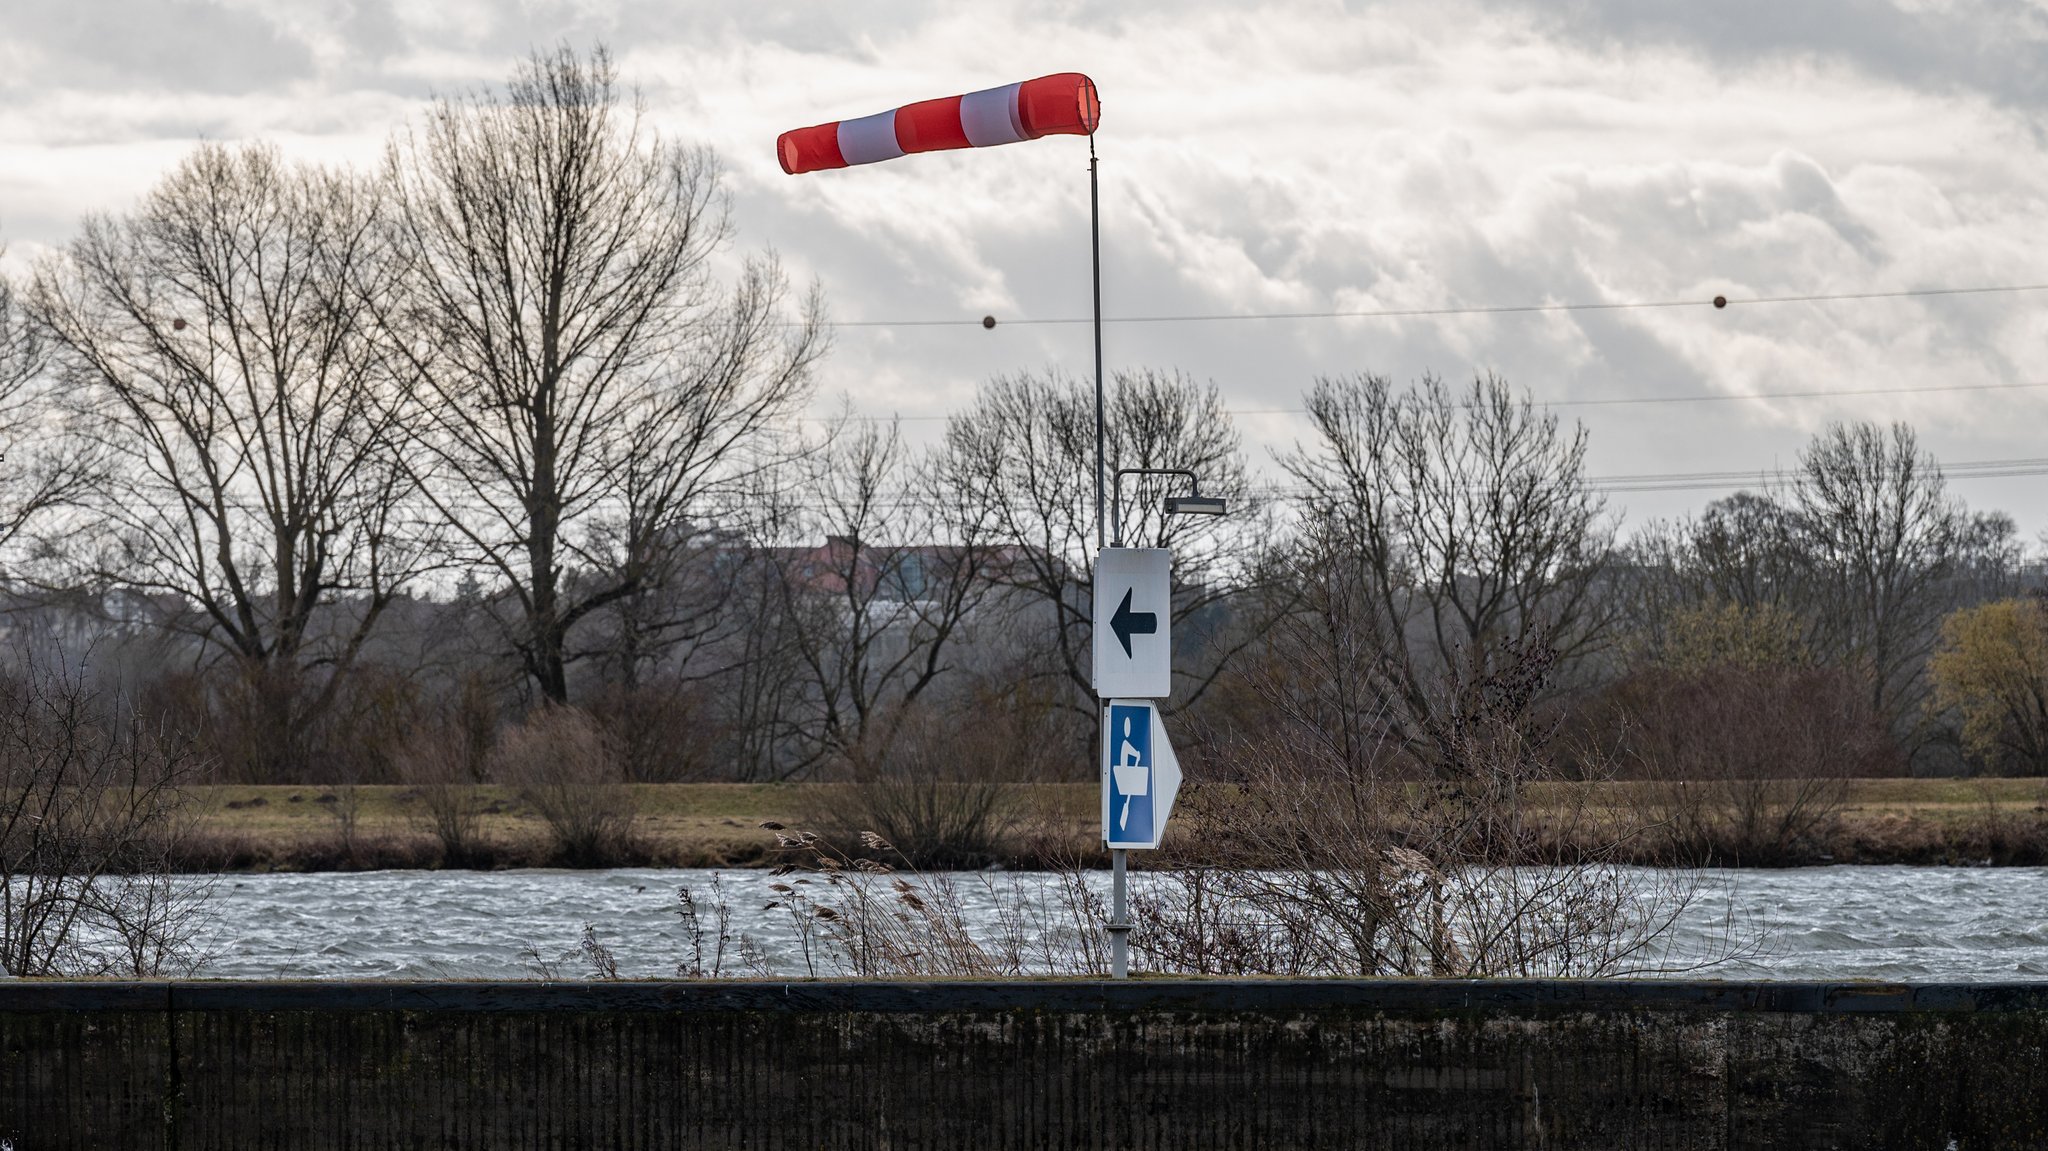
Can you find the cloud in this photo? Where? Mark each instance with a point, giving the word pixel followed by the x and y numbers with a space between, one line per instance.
pixel 1996 47
pixel 185 45
pixel 1303 156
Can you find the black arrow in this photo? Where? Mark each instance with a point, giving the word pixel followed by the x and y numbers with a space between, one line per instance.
pixel 1127 623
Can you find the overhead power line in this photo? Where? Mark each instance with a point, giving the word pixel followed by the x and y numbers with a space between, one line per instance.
pixel 1753 477
pixel 1699 481
pixel 895 499
pixel 1605 401
pixel 1717 302
pixel 1961 469
pixel 1817 393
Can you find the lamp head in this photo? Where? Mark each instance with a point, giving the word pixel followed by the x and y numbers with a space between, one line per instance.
pixel 1194 506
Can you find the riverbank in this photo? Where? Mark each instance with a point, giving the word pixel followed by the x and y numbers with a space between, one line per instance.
pixel 296 828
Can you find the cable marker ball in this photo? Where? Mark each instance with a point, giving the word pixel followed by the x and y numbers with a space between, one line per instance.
pixel 1720 301
pixel 988 321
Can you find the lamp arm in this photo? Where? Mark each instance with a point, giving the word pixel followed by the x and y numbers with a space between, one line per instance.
pixel 1116 495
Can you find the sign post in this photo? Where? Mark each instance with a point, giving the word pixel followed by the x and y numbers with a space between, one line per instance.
pixel 1133 667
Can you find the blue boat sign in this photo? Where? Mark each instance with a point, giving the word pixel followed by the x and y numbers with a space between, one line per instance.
pixel 1140 776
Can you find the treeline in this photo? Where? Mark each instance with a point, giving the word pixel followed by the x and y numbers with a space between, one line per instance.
pixel 495 456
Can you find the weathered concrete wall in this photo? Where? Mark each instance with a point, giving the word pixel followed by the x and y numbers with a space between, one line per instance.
pixel 1265 1064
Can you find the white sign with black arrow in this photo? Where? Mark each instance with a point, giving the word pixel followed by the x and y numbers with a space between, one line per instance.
pixel 1133 636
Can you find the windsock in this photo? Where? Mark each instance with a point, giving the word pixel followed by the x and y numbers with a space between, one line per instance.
pixel 1061 104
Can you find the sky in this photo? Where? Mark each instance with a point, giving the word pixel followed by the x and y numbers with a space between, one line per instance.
pixel 1279 157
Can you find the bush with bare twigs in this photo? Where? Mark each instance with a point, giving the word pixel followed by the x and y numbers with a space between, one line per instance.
pixel 1340 839
pixel 1304 872
pixel 1748 765
pixel 1312 855
pixel 346 813
pixel 562 766
pixel 945 794
pixel 92 810
pixel 447 806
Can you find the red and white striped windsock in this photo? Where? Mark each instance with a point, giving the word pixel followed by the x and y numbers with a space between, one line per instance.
pixel 1061 104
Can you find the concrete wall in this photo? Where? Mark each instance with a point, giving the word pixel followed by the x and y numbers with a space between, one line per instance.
pixel 1200 1064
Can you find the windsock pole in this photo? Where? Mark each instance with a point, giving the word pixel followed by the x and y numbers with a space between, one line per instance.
pixel 1095 249
pixel 1065 104
pixel 1119 907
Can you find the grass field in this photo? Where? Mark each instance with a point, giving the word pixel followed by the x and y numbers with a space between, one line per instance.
pixel 718 824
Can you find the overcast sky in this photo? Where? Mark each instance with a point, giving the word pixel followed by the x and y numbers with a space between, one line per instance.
pixel 1255 158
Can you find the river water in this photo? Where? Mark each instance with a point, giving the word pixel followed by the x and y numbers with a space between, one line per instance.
pixel 1884 923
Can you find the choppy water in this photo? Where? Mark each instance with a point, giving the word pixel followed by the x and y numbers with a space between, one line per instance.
pixel 1889 923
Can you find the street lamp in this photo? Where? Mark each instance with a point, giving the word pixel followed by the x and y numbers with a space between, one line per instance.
pixel 1192 504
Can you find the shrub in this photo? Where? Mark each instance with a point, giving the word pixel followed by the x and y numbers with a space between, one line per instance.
pixel 560 764
pixel 92 814
pixel 1748 764
pixel 941 796
pixel 436 763
pixel 1328 846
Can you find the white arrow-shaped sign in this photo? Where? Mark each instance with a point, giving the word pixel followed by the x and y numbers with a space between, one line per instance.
pixel 1140 776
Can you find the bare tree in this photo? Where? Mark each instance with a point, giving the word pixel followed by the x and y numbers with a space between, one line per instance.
pixel 1026 449
pixel 1746 549
pixel 1442 533
pixel 220 351
pixel 21 346
pixel 1744 556
pixel 41 467
pixel 907 559
pixel 758 699
pixel 586 385
pixel 682 605
pixel 666 651
pixel 1854 561
pixel 1990 559
pixel 1886 539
